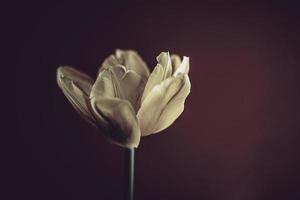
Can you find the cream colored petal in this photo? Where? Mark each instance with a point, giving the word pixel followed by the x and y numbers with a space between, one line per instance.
pixel 184 67
pixel 155 78
pixel 117 82
pixel 133 61
pixel 107 84
pixel 132 86
pixel 176 61
pixel 122 126
pixel 175 106
pixel 162 71
pixel 76 86
pixel 110 61
pixel 119 70
pixel 164 60
pixel 163 104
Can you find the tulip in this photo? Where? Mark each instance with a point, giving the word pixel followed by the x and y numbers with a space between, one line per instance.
pixel 126 101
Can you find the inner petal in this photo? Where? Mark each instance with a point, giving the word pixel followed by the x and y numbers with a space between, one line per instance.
pixel 117 82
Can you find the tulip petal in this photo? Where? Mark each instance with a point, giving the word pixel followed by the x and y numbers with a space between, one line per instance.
pixel 107 84
pixel 155 78
pixel 175 107
pixel 133 86
pixel 184 67
pixel 165 60
pixel 176 61
pixel 130 59
pixel 163 104
pixel 76 86
pixel 133 61
pixel 110 61
pixel 117 82
pixel 122 126
pixel 162 71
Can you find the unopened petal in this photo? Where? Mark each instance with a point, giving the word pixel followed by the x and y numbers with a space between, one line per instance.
pixel 163 104
pixel 119 121
pixel 76 86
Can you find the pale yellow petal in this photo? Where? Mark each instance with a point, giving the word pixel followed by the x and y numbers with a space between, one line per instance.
pixel 133 61
pixel 184 67
pixel 132 85
pixel 164 60
pixel 175 107
pixel 155 78
pixel 117 82
pixel 163 104
pixel 107 84
pixel 76 86
pixel 110 61
pixel 162 71
pixel 176 61
pixel 122 126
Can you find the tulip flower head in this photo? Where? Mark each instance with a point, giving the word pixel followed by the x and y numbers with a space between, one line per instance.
pixel 126 101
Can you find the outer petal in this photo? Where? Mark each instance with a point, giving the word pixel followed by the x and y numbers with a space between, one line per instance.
pixel 118 119
pixel 162 71
pixel 76 86
pixel 163 104
pixel 155 78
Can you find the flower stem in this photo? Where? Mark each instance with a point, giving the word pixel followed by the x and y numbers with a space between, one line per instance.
pixel 129 173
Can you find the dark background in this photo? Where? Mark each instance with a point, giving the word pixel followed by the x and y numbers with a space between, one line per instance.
pixel 238 138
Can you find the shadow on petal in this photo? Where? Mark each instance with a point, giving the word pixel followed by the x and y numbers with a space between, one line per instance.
pixel 119 120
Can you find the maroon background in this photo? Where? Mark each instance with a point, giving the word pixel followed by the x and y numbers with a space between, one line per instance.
pixel 238 138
